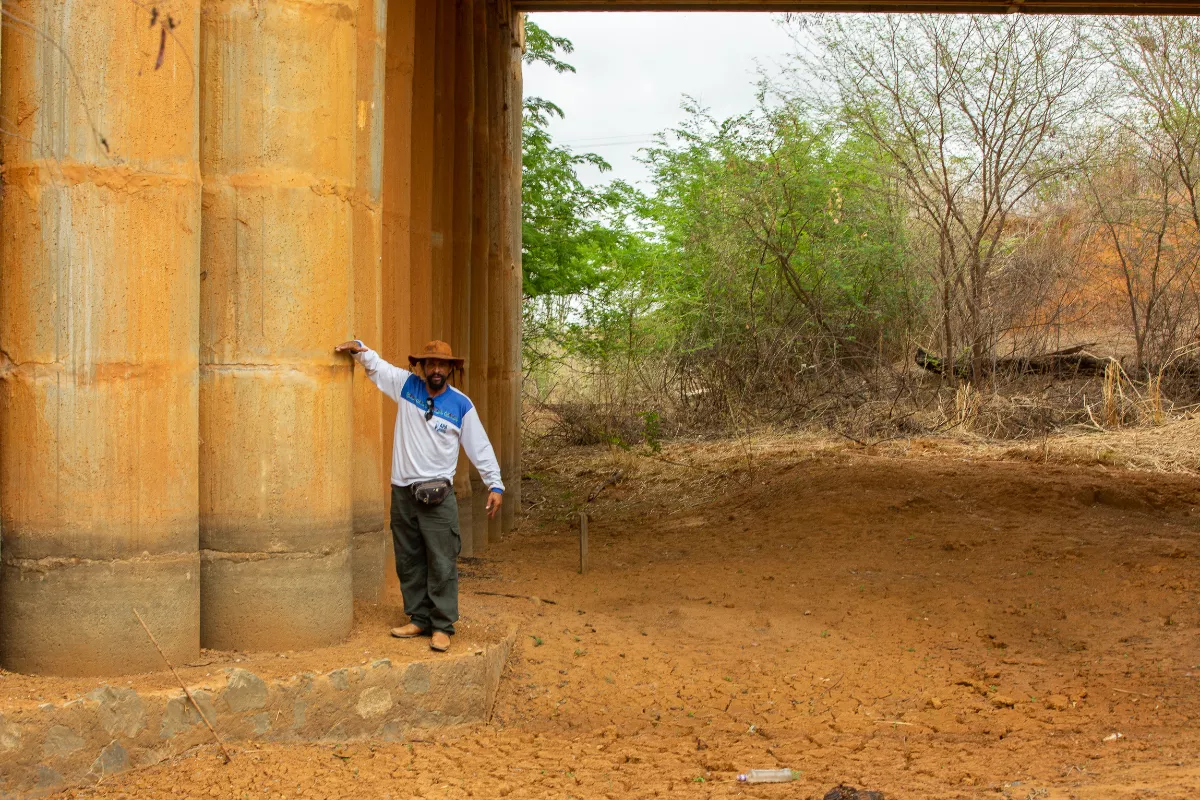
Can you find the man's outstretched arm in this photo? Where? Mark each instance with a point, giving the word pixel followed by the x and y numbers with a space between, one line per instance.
pixel 478 447
pixel 388 377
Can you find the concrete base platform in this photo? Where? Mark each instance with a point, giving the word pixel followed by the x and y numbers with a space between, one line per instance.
pixel 56 733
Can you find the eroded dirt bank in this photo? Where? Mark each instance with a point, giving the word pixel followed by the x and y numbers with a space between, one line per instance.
pixel 924 624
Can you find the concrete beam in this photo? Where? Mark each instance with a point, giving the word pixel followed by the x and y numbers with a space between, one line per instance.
pixel 1159 7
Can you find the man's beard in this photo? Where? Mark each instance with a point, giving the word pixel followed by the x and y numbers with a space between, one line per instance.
pixel 435 381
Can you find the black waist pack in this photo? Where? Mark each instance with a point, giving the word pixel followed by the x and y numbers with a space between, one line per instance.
pixel 431 493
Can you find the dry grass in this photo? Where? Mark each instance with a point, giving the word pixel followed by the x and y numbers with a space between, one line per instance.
pixel 687 472
pixel 1170 448
pixel 694 472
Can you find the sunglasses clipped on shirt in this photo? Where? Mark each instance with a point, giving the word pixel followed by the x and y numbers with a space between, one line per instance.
pixel 428 408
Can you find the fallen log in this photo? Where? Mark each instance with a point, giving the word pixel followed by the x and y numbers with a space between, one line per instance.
pixel 1070 361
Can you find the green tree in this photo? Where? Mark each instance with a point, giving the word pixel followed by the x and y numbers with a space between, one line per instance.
pixel 974 115
pixel 565 238
pixel 784 242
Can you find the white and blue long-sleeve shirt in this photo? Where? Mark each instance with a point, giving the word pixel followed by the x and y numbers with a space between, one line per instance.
pixel 427 449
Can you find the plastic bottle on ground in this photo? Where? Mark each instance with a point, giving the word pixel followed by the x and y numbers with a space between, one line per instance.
pixel 768 776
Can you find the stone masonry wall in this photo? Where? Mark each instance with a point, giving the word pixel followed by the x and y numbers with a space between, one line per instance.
pixel 51 746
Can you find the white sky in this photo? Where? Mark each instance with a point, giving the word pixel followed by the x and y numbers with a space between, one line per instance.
pixel 633 69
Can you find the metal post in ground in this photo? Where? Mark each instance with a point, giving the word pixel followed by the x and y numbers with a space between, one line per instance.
pixel 583 543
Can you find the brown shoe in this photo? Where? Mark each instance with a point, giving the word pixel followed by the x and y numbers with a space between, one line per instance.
pixel 439 642
pixel 409 631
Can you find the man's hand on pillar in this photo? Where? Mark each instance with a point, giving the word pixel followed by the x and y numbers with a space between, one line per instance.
pixel 353 346
pixel 493 503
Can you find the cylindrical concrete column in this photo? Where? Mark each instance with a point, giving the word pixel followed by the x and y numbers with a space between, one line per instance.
pixel 497 226
pixel 372 539
pixel 481 165
pixel 277 114
pixel 444 123
pixel 98 333
pixel 518 120
pixel 460 250
pixel 422 176
pixel 512 358
pixel 397 209
pixel 499 289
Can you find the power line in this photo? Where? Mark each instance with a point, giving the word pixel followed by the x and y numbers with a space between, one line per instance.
pixel 635 138
pixel 601 146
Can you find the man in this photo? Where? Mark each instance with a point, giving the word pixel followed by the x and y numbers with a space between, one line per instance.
pixel 433 418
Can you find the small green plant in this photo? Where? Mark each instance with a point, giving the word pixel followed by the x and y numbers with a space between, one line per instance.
pixel 824 634
pixel 652 430
pixel 537 641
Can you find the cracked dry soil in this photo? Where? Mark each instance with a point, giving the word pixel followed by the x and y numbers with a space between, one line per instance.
pixel 932 627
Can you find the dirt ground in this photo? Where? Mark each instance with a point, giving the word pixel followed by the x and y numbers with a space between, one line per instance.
pixel 925 620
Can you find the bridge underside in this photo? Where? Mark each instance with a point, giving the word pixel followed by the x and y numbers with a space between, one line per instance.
pixel 877 6
pixel 192 218
pixel 187 235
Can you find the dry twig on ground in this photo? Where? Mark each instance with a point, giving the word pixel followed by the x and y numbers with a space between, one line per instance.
pixel 186 691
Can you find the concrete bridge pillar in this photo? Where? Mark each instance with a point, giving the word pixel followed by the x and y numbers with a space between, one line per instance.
pixel 460 251
pixel 372 539
pixel 98 333
pixel 452 122
pixel 187 230
pixel 497 224
pixel 397 207
pixel 513 106
pixel 477 365
pixel 444 124
pixel 422 156
pixel 277 155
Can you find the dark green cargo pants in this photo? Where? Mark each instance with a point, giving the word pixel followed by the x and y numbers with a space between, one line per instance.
pixel 427 543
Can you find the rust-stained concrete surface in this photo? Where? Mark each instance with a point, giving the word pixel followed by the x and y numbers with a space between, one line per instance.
pixel 200 200
pixel 277 145
pixel 372 540
pixel 98 332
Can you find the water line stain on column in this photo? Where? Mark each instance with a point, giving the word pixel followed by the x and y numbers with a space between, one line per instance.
pixel 98 397
pixel 277 153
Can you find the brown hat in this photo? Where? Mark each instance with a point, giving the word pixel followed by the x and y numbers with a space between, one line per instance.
pixel 436 349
